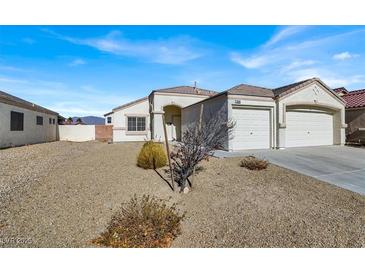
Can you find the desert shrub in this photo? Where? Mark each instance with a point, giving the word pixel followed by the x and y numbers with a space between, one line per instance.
pixel 253 163
pixel 152 156
pixel 145 222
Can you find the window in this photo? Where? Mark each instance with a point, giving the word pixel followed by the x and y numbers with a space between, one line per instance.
pixel 53 121
pixel 136 123
pixel 50 121
pixel 16 121
pixel 109 120
pixel 40 120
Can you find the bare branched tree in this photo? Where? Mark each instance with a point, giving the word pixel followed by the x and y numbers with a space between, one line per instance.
pixel 199 142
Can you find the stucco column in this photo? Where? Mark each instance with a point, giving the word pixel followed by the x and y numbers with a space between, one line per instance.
pixel 158 133
pixel 281 111
pixel 343 127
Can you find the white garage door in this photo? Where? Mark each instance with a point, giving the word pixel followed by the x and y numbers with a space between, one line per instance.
pixel 252 130
pixel 305 128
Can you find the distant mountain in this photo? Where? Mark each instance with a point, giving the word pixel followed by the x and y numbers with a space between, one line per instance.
pixel 90 120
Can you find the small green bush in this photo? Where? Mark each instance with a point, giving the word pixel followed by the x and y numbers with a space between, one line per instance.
pixel 145 222
pixel 253 163
pixel 152 156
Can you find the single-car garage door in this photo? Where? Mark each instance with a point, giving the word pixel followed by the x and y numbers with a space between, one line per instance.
pixel 252 129
pixel 309 128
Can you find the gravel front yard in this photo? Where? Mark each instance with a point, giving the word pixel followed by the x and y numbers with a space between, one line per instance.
pixel 63 195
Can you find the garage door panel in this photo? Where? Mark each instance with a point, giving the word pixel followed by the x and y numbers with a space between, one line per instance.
pixel 252 129
pixel 308 128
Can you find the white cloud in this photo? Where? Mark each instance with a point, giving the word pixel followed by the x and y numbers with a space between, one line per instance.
pixel 175 50
pixel 250 62
pixel 329 77
pixel 5 79
pixel 284 33
pixel 11 68
pixel 344 56
pixel 28 40
pixel 297 64
pixel 77 62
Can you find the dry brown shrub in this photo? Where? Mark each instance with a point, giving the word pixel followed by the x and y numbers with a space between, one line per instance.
pixel 253 163
pixel 145 222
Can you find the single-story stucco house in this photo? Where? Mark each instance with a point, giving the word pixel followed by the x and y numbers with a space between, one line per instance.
pixel 23 123
pixel 355 114
pixel 306 113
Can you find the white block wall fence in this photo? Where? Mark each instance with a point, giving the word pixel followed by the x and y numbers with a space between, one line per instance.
pixel 76 133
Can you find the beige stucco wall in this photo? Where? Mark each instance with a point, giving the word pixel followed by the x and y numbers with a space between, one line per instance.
pixel 32 132
pixel 160 100
pixel 76 133
pixel 119 122
pixel 190 115
pixel 316 96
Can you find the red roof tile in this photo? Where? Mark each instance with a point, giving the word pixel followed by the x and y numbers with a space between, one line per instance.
pixel 355 99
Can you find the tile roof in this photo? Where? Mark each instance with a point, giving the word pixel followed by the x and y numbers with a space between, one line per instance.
pixel 9 99
pixel 249 90
pixel 273 93
pixel 281 91
pixel 355 99
pixel 187 90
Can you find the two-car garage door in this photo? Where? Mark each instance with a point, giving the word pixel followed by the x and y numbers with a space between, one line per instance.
pixel 304 127
pixel 308 128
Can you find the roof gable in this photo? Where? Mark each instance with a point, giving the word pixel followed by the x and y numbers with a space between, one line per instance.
pixel 287 90
pixel 128 104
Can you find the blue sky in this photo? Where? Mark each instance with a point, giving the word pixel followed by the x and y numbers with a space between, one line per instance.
pixel 88 70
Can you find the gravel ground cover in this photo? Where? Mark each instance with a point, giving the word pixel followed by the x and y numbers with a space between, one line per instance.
pixel 66 193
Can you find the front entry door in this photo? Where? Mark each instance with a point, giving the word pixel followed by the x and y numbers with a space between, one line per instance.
pixel 176 127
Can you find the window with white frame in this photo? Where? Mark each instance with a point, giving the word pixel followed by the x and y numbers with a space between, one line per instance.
pixel 109 120
pixel 136 123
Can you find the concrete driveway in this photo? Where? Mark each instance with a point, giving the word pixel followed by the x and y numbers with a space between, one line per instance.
pixel 339 165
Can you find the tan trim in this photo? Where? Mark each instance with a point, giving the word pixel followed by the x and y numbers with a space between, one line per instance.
pixel 136 132
pixel 181 94
pixel 251 98
pixel 171 104
pixel 312 104
pixel 136 114
pixel 158 112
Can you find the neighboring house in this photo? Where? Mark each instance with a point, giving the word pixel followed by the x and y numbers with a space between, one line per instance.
pixel 22 122
pixel 355 114
pixel 307 113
